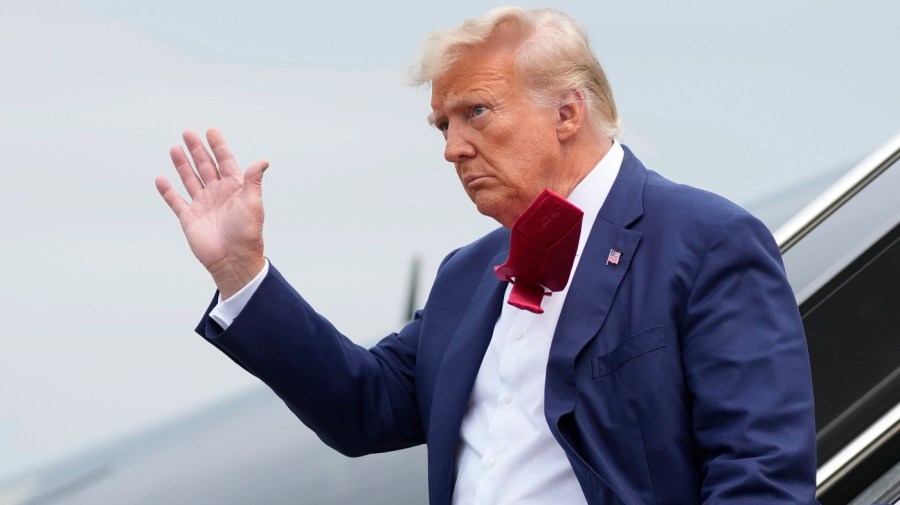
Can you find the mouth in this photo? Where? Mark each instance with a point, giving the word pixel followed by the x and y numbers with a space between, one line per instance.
pixel 469 179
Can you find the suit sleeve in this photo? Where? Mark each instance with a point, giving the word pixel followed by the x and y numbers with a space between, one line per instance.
pixel 747 368
pixel 356 400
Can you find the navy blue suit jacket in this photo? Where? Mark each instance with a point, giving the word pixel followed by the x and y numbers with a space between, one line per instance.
pixel 678 376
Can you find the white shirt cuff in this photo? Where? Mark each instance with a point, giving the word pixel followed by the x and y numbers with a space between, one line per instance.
pixel 226 311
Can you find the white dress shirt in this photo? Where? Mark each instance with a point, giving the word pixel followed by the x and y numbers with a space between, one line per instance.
pixel 226 310
pixel 507 454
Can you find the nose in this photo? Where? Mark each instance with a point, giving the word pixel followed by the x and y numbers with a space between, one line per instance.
pixel 458 147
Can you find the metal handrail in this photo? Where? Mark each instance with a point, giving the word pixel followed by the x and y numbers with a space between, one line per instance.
pixel 838 194
pixel 853 453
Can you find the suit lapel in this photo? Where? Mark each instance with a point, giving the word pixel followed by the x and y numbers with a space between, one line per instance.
pixel 454 382
pixel 587 305
pixel 594 285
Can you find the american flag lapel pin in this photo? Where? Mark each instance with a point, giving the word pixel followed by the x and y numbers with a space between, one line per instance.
pixel 614 257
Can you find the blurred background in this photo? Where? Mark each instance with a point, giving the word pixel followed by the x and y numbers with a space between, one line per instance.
pixel 100 293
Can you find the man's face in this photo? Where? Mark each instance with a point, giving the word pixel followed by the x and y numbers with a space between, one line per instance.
pixel 504 147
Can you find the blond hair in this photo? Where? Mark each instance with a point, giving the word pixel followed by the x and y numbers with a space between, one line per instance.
pixel 553 58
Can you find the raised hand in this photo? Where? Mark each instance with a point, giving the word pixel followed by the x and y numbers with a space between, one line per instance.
pixel 224 220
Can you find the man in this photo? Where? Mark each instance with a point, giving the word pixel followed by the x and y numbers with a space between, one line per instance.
pixel 671 368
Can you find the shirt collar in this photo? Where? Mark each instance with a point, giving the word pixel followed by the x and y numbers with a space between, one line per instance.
pixel 592 191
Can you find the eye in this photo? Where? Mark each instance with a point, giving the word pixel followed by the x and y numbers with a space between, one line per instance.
pixel 478 110
pixel 443 126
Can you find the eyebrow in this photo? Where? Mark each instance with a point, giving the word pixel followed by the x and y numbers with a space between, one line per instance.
pixel 449 104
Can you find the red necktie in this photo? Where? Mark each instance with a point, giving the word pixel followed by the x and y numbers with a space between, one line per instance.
pixel 543 243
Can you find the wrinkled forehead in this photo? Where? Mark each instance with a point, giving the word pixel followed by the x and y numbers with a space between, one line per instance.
pixel 483 70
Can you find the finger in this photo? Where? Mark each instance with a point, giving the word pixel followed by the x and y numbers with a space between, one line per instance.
pixel 206 168
pixel 175 201
pixel 227 164
pixel 189 178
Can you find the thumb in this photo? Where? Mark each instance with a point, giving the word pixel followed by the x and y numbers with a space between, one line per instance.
pixel 254 174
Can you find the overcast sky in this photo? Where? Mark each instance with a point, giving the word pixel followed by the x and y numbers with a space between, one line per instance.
pixel 100 292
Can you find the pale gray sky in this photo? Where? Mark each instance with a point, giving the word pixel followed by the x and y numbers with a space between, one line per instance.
pixel 100 292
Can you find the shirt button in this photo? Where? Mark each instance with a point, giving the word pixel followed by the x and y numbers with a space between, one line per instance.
pixel 490 461
pixel 507 399
pixel 518 335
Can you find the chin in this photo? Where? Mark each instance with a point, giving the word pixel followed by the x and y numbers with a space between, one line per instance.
pixel 501 215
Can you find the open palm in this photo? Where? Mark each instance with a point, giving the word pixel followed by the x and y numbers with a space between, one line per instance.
pixel 223 221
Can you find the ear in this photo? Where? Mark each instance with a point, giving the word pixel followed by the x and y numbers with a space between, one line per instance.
pixel 572 114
